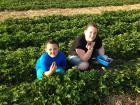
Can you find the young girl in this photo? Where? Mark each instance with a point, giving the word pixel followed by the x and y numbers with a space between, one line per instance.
pixel 87 47
pixel 52 60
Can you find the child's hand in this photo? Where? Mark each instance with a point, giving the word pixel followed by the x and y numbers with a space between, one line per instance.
pixel 52 70
pixel 53 67
pixel 90 45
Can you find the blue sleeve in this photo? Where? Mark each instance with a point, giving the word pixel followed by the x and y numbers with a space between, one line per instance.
pixel 41 65
pixel 43 62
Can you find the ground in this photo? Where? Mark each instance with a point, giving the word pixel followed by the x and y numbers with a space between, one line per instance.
pixel 67 11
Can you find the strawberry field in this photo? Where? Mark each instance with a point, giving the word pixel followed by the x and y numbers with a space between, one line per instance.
pixel 42 4
pixel 21 41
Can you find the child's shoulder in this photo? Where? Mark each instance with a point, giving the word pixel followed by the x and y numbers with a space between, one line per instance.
pixel 61 53
pixel 44 54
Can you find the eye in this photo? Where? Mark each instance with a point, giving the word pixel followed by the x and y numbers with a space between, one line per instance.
pixel 55 48
pixel 50 49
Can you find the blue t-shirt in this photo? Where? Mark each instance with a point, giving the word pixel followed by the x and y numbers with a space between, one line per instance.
pixel 44 62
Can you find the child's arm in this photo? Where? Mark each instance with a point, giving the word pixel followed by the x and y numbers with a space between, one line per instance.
pixel 85 56
pixel 42 67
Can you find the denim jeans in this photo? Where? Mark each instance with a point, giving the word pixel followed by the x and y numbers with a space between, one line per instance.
pixel 75 60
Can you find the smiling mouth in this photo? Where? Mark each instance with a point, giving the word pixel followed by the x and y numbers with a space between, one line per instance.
pixel 52 55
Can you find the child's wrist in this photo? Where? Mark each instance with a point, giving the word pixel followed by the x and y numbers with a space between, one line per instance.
pixel 51 71
pixel 48 73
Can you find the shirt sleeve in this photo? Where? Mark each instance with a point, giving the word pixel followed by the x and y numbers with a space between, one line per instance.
pixel 79 43
pixel 43 62
pixel 98 43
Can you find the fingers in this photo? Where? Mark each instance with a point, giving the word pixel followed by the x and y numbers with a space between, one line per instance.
pixel 90 45
pixel 53 66
pixel 53 63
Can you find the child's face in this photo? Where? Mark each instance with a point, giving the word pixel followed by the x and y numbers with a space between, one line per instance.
pixel 52 49
pixel 90 33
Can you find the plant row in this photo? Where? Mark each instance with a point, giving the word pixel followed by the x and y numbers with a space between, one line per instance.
pixel 74 88
pixel 20 49
pixel 17 33
pixel 37 4
pixel 21 43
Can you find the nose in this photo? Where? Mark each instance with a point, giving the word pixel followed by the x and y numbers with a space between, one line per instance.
pixel 53 52
pixel 91 35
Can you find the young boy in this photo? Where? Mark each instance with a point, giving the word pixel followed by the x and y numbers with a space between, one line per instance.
pixel 52 60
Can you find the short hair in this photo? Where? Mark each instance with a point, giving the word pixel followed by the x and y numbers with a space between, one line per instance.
pixel 51 41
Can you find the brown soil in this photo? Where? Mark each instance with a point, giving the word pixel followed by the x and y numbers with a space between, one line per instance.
pixel 122 100
pixel 67 11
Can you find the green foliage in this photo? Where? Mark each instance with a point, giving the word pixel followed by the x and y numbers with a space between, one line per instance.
pixel 21 42
pixel 74 88
pixel 125 45
pixel 17 66
pixel 37 4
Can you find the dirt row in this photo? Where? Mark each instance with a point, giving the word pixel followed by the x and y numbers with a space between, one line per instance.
pixel 67 11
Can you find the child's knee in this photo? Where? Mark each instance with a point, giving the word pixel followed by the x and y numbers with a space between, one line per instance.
pixel 83 66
